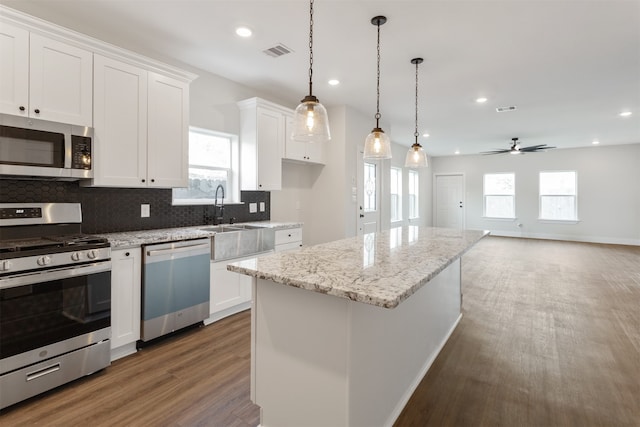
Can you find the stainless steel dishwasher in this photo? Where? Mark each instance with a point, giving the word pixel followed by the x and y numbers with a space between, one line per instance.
pixel 175 286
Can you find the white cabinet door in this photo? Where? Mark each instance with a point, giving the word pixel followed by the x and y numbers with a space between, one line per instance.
pixel 302 151
pixel 262 142
pixel 168 134
pixel 120 112
pixel 125 296
pixel 228 289
pixel 60 82
pixel 14 70
pixel 270 134
pixel 288 239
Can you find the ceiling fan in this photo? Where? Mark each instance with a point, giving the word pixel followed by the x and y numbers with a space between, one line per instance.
pixel 516 149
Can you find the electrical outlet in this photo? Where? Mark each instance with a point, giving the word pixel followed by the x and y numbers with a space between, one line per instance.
pixel 262 207
pixel 253 207
pixel 145 211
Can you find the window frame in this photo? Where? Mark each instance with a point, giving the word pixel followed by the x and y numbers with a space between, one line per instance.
pixel 573 220
pixel 413 176
pixel 398 194
pixel 232 192
pixel 485 195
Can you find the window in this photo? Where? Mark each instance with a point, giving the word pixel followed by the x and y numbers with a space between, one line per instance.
pixel 369 187
pixel 414 186
pixel 499 195
pixel 213 161
pixel 558 194
pixel 396 194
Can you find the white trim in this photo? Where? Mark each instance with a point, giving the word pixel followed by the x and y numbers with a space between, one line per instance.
pixel 558 221
pixel 83 41
pixel 495 218
pixel 567 237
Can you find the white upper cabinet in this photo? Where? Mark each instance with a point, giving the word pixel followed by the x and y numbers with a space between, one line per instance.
pixel 301 151
pixel 168 137
pixel 120 116
pixel 44 78
pixel 14 70
pixel 141 127
pixel 262 139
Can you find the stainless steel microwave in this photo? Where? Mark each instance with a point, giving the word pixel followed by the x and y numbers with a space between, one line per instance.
pixel 40 148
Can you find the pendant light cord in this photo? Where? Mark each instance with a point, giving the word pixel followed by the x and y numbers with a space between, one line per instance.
pixel 416 130
pixel 310 47
pixel 378 82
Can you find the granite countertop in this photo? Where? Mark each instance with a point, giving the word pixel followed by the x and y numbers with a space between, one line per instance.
pixel 128 239
pixel 381 269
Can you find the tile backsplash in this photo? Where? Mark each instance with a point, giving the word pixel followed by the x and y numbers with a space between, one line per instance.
pixel 108 210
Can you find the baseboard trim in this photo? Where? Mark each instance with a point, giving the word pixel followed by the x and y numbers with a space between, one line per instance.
pixel 570 238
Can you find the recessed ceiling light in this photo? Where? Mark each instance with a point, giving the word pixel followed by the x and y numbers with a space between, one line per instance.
pixel 244 32
pixel 481 100
pixel 457 152
pixel 595 142
pixel 625 113
pixel 334 82
pixel 426 135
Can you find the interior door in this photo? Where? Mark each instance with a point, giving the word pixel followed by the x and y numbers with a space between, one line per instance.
pixel 449 203
pixel 368 195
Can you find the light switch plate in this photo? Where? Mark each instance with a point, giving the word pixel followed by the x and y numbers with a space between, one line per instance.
pixel 262 207
pixel 253 207
pixel 145 211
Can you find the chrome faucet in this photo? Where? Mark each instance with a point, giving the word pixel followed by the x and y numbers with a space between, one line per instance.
pixel 218 209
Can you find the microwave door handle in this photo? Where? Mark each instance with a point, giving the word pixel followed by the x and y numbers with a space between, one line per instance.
pixel 68 152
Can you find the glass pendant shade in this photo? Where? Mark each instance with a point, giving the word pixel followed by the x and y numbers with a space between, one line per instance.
pixel 416 157
pixel 377 145
pixel 310 121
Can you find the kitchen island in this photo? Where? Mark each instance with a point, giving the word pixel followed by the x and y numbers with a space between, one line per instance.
pixel 343 332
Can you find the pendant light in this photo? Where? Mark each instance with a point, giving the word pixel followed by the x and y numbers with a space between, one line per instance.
pixel 377 145
pixel 311 122
pixel 416 157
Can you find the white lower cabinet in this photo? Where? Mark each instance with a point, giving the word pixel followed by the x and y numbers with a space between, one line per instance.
pixel 288 239
pixel 230 292
pixel 125 301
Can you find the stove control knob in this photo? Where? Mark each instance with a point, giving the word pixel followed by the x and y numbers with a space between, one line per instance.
pixel 76 256
pixel 44 260
pixel 92 254
pixel 5 266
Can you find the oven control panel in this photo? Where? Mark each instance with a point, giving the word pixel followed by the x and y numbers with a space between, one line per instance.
pixel 14 213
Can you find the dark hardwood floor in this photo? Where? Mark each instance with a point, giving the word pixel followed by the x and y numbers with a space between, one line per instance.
pixel 550 337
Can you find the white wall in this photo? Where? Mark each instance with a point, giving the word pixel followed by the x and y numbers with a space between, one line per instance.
pixel 608 192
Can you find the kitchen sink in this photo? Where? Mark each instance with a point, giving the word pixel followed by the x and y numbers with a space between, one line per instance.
pixel 239 240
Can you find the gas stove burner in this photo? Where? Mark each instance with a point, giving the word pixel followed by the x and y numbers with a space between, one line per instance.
pixel 78 239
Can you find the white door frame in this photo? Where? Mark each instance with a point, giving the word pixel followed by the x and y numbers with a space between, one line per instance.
pixel 361 216
pixel 435 196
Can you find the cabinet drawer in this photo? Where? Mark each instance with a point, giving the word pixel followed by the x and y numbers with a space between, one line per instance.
pixel 290 235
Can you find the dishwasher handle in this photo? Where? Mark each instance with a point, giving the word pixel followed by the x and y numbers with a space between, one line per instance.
pixel 188 248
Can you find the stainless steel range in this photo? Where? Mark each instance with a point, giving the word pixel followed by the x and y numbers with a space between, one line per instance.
pixel 55 299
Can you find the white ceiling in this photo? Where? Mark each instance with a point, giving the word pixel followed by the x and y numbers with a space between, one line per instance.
pixel 570 67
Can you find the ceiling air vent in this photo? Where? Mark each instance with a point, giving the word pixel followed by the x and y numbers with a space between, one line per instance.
pixel 277 50
pixel 505 109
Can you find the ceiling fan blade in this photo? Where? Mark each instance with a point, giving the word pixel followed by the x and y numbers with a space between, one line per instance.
pixel 495 152
pixel 533 148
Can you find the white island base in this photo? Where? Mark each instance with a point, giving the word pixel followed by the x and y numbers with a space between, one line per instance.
pixel 321 360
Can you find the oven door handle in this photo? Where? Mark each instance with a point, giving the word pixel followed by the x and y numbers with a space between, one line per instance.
pixel 54 274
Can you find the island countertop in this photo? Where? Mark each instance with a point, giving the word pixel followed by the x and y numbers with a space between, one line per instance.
pixel 381 269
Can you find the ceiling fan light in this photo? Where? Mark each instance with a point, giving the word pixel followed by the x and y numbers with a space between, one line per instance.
pixel 310 121
pixel 416 157
pixel 377 145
